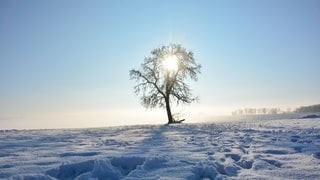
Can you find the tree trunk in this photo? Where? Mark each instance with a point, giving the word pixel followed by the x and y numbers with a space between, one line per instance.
pixel 170 118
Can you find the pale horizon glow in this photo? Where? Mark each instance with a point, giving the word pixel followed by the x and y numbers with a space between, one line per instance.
pixel 112 117
pixel 66 64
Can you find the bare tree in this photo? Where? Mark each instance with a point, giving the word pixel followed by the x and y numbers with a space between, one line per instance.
pixel 163 75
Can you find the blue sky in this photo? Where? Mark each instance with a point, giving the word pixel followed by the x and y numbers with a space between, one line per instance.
pixel 66 63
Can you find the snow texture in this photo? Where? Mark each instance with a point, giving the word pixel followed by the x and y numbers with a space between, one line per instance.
pixel 242 149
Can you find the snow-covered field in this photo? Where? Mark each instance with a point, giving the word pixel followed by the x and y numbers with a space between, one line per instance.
pixel 243 149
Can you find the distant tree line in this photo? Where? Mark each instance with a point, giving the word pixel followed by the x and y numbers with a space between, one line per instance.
pixel 308 109
pixel 261 111
pixel 256 111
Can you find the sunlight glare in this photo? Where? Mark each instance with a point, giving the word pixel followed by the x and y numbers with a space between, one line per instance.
pixel 170 63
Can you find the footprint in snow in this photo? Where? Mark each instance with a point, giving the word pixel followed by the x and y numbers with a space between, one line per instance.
pixel 274 151
pixel 226 150
pixel 245 164
pixel 228 170
pixel 234 157
pixel 295 138
pixel 210 153
pixel 298 149
pixel 273 162
pixel 244 148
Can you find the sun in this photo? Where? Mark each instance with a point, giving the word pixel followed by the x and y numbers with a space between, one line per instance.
pixel 170 63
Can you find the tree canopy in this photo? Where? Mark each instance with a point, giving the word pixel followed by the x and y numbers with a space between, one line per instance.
pixel 162 77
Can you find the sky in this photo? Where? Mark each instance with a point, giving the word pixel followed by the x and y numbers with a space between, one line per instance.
pixel 65 64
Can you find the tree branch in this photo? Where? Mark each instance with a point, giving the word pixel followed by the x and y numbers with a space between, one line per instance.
pixel 148 81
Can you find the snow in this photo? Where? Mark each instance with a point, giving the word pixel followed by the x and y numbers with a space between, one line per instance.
pixel 256 148
pixel 310 116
